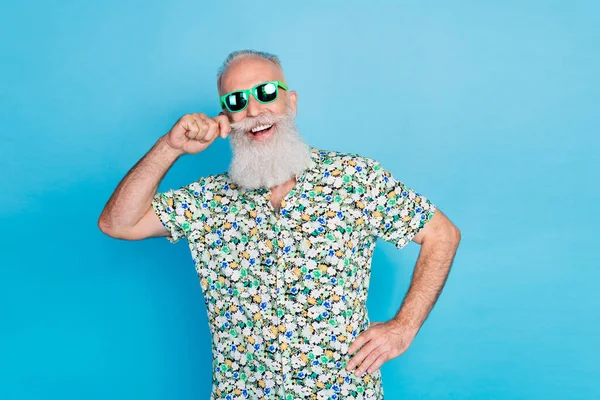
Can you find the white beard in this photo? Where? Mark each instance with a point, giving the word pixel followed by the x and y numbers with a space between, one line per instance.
pixel 257 164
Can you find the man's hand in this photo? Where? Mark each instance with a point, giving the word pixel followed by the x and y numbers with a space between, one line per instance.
pixel 382 342
pixel 195 132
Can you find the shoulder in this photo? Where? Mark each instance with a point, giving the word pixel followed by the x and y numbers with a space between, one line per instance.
pixel 349 163
pixel 211 185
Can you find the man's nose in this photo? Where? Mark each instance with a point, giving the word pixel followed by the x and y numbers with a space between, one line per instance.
pixel 254 107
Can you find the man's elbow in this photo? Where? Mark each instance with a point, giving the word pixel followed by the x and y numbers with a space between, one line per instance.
pixel 454 234
pixel 447 233
pixel 106 228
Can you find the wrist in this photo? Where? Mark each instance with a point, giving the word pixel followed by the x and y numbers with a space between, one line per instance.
pixel 165 147
pixel 405 325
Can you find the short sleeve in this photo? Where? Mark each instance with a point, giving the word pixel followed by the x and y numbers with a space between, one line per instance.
pixel 177 210
pixel 395 212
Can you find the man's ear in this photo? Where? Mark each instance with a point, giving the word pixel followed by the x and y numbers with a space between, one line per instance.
pixel 293 96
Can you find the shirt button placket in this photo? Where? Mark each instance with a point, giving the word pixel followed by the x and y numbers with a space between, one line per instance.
pixel 279 270
pixel 272 344
pixel 286 358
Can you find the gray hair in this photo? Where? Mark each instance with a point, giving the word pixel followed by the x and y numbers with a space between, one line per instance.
pixel 238 54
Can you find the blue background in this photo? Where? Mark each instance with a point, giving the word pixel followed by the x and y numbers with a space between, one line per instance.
pixel 490 109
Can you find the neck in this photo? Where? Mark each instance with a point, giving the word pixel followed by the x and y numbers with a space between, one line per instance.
pixel 280 191
pixel 285 187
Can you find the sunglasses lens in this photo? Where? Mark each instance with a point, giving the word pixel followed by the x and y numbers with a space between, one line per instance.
pixel 267 92
pixel 236 101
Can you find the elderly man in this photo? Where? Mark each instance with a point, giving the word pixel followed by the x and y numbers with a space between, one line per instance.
pixel 282 244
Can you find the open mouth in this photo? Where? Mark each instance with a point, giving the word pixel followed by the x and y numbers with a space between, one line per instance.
pixel 261 130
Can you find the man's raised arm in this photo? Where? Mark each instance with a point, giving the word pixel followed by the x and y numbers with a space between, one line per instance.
pixel 128 213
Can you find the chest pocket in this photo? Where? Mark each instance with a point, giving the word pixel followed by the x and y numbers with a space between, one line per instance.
pixel 333 225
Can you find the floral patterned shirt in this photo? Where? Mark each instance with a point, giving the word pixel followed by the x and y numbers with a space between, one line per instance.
pixel 286 290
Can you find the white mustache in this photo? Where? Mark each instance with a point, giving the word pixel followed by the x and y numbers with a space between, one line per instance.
pixel 248 123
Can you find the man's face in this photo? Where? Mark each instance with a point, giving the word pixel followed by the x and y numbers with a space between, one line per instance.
pixel 266 145
pixel 247 73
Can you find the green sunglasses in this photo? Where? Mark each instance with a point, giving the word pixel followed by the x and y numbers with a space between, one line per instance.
pixel 264 93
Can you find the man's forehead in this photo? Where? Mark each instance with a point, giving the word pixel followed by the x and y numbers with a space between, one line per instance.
pixel 248 72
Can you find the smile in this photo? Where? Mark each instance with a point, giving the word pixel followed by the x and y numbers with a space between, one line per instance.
pixel 262 130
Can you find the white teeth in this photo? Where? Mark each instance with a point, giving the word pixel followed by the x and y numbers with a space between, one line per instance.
pixel 261 128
